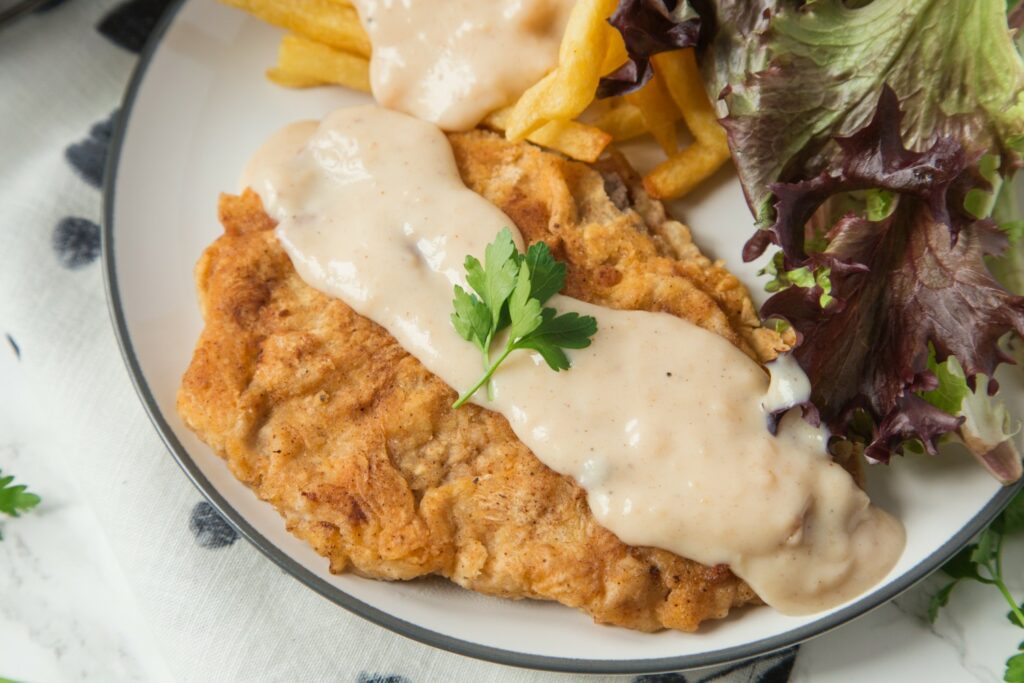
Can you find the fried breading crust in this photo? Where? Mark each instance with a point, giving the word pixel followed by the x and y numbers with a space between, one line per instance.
pixel 325 416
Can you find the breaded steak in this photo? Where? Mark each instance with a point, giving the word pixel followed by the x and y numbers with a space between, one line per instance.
pixel 326 417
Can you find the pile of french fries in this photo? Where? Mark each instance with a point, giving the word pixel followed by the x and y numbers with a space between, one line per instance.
pixel 326 44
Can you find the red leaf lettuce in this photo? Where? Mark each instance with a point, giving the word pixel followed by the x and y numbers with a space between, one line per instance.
pixel 829 102
pixel 647 28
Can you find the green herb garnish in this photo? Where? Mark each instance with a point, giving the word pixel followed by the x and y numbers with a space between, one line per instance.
pixel 983 562
pixel 511 289
pixel 14 499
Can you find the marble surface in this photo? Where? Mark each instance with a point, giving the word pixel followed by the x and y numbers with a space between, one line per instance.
pixel 66 614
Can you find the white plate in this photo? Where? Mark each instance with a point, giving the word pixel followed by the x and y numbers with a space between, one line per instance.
pixel 197 106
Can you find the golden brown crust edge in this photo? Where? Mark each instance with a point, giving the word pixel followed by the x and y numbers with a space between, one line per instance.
pixel 323 414
pixel 622 250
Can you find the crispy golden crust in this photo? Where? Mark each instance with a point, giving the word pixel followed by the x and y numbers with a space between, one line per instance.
pixel 621 249
pixel 323 414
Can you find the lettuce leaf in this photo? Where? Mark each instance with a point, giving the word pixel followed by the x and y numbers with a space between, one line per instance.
pixel 912 280
pixel 647 28
pixel 986 425
pixel 796 75
pixel 871 139
pixel 1008 267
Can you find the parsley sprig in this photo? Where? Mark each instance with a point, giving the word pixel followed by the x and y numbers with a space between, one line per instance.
pixel 983 562
pixel 14 498
pixel 510 292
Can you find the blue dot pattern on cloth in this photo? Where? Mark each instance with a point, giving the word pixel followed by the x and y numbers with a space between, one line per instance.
pixel 129 24
pixel 381 678
pixel 76 242
pixel 209 528
pixel 780 671
pixel 772 668
pixel 89 156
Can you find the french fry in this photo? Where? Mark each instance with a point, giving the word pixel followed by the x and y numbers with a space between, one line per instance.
pixel 572 138
pixel 615 54
pixel 565 92
pixel 329 46
pixel 329 22
pixel 622 122
pixel 685 170
pixel 303 63
pixel 291 79
pixel 659 113
pixel 679 72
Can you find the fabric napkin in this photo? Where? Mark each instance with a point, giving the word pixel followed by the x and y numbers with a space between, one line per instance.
pixel 218 609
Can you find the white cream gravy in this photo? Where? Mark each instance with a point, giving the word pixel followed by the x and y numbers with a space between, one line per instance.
pixel 659 420
pixel 451 62
pixel 788 387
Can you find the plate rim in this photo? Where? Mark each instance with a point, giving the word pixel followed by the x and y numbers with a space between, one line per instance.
pixel 311 580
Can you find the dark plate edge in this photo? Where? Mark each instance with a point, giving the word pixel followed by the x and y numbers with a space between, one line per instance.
pixel 404 628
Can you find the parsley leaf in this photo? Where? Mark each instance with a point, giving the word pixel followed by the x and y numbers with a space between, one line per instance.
pixel 988 544
pixel 566 331
pixel 983 562
pixel 940 600
pixel 1012 616
pixel 1015 667
pixel 494 281
pixel 1013 515
pixel 546 274
pixel 511 289
pixel 962 565
pixel 14 499
pixel 523 310
pixel 472 318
